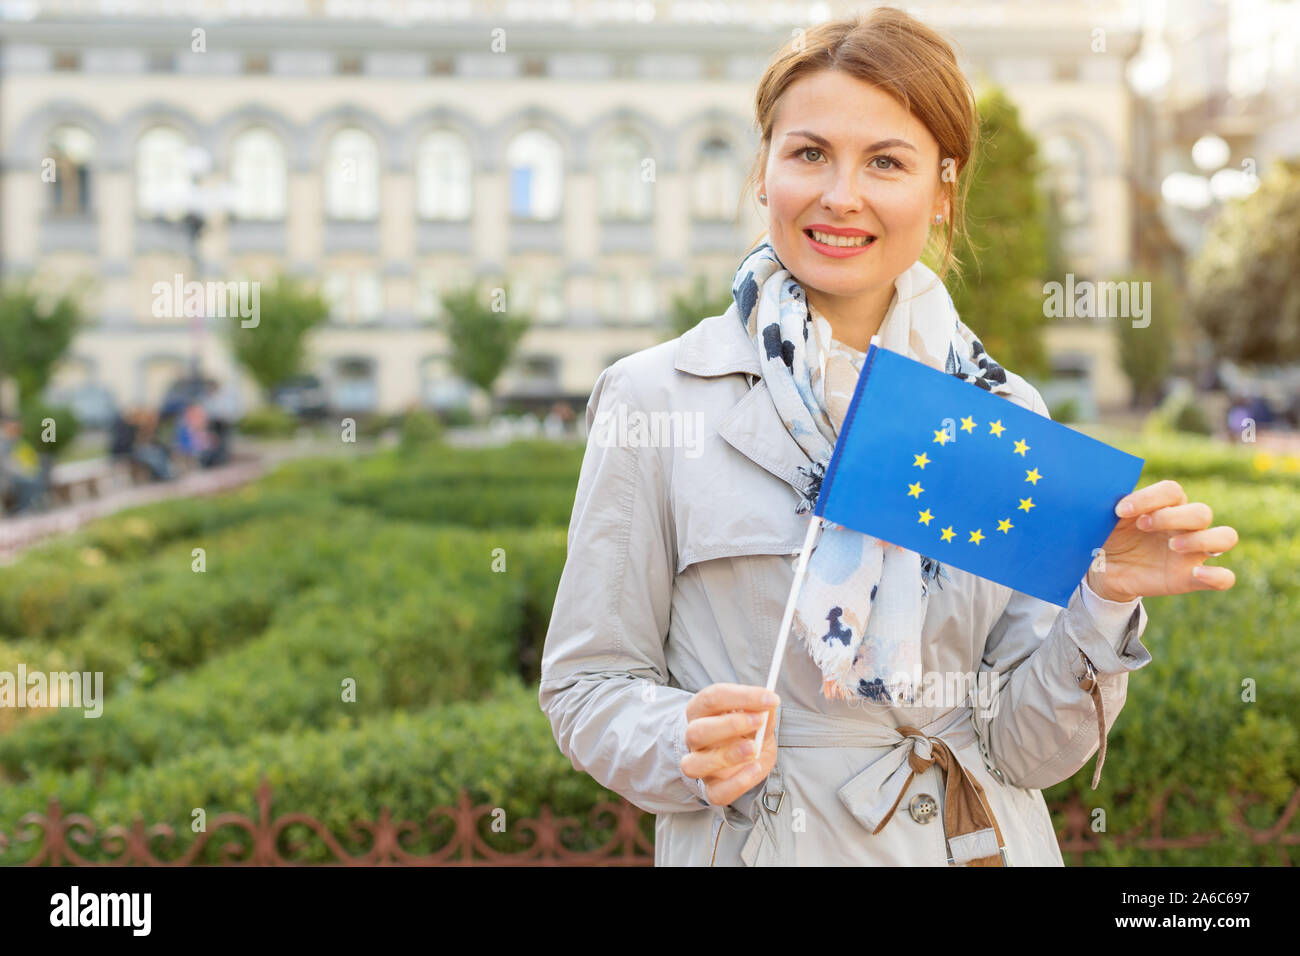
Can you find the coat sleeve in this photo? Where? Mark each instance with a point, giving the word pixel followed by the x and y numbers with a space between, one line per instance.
pixel 1042 725
pixel 604 680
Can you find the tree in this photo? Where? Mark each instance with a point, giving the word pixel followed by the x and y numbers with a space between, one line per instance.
pixel 1244 283
pixel 273 349
pixel 35 331
pixel 1004 252
pixel 1146 354
pixel 482 338
pixel 696 304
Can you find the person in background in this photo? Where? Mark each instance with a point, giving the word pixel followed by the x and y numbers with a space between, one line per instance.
pixel 192 438
pixel 147 450
pixel 221 402
pixel 20 467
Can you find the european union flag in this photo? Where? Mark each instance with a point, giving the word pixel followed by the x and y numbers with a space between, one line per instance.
pixel 965 477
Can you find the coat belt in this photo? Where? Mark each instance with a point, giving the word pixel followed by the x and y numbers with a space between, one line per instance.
pixel 873 794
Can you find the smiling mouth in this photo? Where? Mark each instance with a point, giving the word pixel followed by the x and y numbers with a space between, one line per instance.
pixel 843 242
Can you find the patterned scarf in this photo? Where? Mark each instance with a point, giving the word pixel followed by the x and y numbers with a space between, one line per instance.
pixel 862 604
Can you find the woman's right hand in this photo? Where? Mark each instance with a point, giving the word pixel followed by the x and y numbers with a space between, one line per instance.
pixel 721 722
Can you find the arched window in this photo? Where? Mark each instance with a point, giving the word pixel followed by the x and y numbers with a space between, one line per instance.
pixel 71 148
pixel 715 181
pixel 352 175
pixel 440 386
pixel 257 172
pixel 444 183
pixel 624 191
pixel 356 389
pixel 1066 162
pixel 162 173
pixel 536 165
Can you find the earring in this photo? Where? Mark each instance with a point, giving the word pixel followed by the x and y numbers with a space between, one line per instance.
pixel 762 197
pixel 938 219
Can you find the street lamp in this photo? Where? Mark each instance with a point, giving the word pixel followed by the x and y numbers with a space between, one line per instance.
pixel 196 204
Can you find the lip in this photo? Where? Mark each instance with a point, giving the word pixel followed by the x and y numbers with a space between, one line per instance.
pixel 839 252
pixel 837 230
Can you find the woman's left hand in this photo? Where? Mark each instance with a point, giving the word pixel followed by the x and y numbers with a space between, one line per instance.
pixel 1139 558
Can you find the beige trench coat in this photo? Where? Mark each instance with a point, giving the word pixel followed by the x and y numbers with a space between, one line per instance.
pixel 681 554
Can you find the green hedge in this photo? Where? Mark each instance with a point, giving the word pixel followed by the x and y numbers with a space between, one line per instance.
pixel 501 750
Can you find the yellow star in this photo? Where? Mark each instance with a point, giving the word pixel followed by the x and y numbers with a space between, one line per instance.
pixel 914 490
pixel 1021 448
pixel 941 436
pixel 995 428
pixel 975 537
pixel 946 533
pixel 1005 525
pixel 967 424
pixel 1026 504
pixel 925 517
pixel 921 461
pixel 1032 476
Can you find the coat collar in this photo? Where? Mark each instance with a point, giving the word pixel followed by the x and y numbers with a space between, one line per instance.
pixel 718 345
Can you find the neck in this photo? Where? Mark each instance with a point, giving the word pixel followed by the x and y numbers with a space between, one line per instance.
pixel 855 321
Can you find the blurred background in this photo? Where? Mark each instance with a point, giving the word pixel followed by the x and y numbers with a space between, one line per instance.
pixel 290 280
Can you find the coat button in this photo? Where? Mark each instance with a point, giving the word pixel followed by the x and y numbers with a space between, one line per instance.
pixel 922 808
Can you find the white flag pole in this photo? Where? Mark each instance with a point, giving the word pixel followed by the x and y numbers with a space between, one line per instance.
pixel 814 528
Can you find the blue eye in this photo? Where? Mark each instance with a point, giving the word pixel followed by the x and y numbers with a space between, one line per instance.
pixel 895 164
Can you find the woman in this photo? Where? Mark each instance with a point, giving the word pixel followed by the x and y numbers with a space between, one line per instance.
pixel 682 550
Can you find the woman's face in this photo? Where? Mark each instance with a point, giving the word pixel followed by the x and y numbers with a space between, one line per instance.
pixel 846 155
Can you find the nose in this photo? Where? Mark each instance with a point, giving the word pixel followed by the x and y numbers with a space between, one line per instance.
pixel 843 196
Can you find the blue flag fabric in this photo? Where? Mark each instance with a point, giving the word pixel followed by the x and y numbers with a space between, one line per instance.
pixel 968 478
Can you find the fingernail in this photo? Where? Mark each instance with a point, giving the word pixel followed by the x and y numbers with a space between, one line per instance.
pixel 1175 544
pixel 755 719
pixel 747 749
pixel 770 700
pixel 1124 509
pixel 1144 522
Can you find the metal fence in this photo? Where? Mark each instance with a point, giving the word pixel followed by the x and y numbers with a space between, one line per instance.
pixel 61 839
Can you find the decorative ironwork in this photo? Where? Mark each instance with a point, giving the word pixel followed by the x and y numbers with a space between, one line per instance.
pixel 59 836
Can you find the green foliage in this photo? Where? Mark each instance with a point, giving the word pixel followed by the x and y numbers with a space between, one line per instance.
pixel 1145 354
pixel 699 303
pixel 273 350
pixel 1065 412
pixel 35 331
pixel 269 421
pixel 482 339
pixel 420 429
pixel 1000 295
pixel 63 430
pixel 1242 283
pixel 1179 412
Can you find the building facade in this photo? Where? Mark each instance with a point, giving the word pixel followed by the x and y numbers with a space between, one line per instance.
pixel 592 157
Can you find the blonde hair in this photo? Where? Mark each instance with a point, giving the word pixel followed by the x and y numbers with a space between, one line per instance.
pixel 907 60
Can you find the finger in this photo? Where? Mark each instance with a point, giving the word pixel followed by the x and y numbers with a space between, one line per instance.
pixel 1160 495
pixel 727 791
pixel 720 698
pixel 1214 541
pixel 704 732
pixel 707 762
pixel 1190 517
pixel 1213 578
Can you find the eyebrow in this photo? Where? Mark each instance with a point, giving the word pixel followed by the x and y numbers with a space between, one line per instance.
pixel 883 144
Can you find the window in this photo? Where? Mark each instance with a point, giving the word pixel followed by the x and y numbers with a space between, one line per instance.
pixel 355 386
pixel 67 61
pixel 71 148
pixel 625 193
pixel 257 63
pixel 444 183
pixel 257 172
pixel 352 176
pixel 536 175
pixel 161 172
pixel 1066 182
pixel 715 181
pixel 349 64
pixel 353 296
pixel 428 297
pixel 440 386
